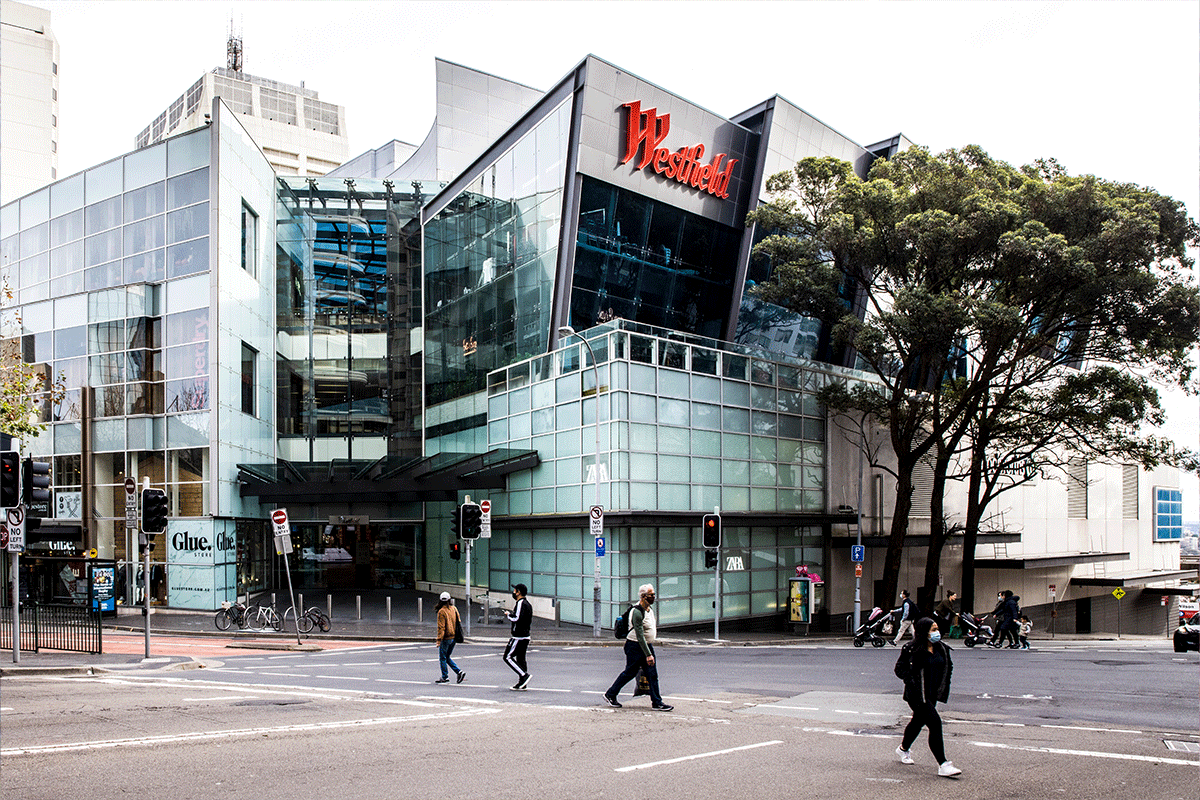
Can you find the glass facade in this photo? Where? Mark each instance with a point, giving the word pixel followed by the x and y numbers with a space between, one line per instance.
pixel 683 426
pixel 646 261
pixel 348 296
pixel 490 258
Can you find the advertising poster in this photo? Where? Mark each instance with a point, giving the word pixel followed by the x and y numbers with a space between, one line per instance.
pixel 199 556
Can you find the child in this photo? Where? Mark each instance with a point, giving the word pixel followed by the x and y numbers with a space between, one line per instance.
pixel 1026 627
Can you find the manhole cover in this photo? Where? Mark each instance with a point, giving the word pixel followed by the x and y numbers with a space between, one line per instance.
pixel 271 702
pixel 1184 747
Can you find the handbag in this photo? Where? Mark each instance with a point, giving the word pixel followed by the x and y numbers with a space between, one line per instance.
pixel 458 630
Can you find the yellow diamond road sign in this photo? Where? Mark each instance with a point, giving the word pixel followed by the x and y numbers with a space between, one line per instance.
pixel 1118 593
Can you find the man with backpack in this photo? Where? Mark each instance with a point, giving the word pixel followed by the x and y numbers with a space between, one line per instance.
pixel 639 649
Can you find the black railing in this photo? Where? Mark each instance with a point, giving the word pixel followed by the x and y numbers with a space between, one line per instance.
pixel 51 627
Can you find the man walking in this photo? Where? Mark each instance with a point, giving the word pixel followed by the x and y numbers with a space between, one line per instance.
pixel 521 617
pixel 907 616
pixel 639 650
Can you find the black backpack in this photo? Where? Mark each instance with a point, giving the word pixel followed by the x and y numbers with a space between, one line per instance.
pixel 903 668
pixel 621 625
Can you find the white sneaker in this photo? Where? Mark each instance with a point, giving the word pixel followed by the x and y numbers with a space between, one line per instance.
pixel 905 755
pixel 947 770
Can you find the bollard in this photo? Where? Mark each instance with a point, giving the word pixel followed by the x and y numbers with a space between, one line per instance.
pixel 300 604
pixel 389 609
pixel 487 616
pixel 558 613
pixel 329 606
pixel 420 610
pixel 272 598
pixel 358 604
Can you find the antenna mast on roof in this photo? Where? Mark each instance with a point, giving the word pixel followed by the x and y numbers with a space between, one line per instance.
pixel 233 49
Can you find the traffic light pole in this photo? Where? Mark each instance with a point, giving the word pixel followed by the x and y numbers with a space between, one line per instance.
pixel 145 577
pixel 467 547
pixel 717 590
pixel 16 606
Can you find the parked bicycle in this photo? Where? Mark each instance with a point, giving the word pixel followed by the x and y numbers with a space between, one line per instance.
pixel 230 614
pixel 260 617
pixel 312 618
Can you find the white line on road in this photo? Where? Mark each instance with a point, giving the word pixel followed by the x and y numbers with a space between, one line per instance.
pixel 284 674
pixel 145 741
pixel 693 699
pixel 696 756
pixel 340 677
pixel 359 664
pixel 1091 753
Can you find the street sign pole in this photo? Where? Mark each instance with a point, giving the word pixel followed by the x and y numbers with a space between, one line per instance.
pixel 596 526
pixel 14 535
pixel 467 543
pixel 283 546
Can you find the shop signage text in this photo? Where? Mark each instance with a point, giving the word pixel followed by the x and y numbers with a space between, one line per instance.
pixel 645 131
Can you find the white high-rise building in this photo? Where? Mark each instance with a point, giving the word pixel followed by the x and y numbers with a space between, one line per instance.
pixel 28 100
pixel 299 133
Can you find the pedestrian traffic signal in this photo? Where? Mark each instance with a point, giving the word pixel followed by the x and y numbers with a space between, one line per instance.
pixel 472 520
pixel 710 531
pixel 710 559
pixel 455 549
pixel 35 477
pixel 10 479
pixel 154 510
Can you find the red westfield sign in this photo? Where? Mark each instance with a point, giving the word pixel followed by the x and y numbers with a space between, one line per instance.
pixel 646 130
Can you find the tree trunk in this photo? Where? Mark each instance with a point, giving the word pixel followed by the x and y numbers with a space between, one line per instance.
pixel 971 531
pixel 938 533
pixel 895 549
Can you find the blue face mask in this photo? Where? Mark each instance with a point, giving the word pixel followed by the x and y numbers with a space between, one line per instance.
pixel 935 636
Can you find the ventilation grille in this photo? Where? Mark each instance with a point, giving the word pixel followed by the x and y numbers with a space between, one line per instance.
pixel 1077 496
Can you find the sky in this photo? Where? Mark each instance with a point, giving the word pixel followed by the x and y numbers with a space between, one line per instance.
pixel 1107 88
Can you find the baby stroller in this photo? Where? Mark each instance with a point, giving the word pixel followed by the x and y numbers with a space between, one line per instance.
pixel 875 628
pixel 974 629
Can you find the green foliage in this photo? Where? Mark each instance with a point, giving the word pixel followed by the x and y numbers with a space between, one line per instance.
pixel 1053 288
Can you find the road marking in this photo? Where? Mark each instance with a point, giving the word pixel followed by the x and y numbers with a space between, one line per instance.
pixel 1091 753
pixel 361 664
pixel 339 677
pixel 349 695
pixel 211 699
pixel 696 756
pixel 697 699
pixel 1082 728
pixel 147 741
pixel 410 661
pixel 284 674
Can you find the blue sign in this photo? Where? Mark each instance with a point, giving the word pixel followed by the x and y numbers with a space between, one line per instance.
pixel 857 551
pixel 599 546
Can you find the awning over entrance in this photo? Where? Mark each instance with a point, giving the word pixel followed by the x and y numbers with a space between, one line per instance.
pixel 390 479
pixel 1130 579
pixel 1050 561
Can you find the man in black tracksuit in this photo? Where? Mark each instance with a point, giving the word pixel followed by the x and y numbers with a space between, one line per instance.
pixel 521 617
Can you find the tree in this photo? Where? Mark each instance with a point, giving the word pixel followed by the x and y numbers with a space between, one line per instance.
pixel 26 390
pixel 956 275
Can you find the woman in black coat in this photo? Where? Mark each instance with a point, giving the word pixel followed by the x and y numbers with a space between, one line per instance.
pixel 925 666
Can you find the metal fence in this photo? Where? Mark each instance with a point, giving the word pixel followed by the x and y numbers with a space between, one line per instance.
pixel 52 627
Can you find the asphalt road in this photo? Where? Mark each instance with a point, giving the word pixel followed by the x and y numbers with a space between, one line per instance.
pixel 1081 721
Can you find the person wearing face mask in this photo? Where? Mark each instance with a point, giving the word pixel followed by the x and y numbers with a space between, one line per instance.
pixel 639 650
pixel 514 654
pixel 925 667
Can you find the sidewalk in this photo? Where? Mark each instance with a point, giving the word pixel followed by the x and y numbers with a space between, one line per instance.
pixel 412 623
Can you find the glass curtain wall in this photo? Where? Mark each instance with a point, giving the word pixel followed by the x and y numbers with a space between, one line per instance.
pixel 646 261
pixel 490 260
pixel 348 255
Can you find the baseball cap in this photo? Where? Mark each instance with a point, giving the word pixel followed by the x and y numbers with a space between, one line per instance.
pixel 520 587
pixel 444 596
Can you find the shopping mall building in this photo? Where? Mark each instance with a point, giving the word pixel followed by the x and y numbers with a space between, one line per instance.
pixel 367 348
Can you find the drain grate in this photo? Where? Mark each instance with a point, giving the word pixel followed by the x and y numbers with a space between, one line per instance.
pixel 1184 747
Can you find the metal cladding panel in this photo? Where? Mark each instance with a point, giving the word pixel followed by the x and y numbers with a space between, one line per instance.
pixel 604 142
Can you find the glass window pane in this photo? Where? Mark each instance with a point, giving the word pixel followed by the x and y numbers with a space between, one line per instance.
pixel 66 228
pixel 145 166
pixel 186 153
pixel 66 195
pixel 146 202
pixel 187 223
pixel 103 215
pixel 145 235
pixel 187 258
pixel 185 190
pixel 146 267
pixel 103 181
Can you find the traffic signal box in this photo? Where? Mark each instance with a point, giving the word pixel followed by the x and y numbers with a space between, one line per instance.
pixel 10 479
pixel 710 537
pixel 456 524
pixel 455 549
pixel 35 477
pixel 472 520
pixel 154 511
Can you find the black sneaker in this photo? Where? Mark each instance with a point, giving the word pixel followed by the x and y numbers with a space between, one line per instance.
pixel 612 701
pixel 663 707
pixel 462 676
pixel 442 680
pixel 521 684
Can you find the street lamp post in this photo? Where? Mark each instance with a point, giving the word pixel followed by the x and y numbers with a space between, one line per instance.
pixel 567 330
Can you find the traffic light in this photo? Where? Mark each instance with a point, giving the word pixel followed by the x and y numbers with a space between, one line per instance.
pixel 154 510
pixel 10 479
pixel 710 530
pixel 35 477
pixel 710 559
pixel 456 525
pixel 455 549
pixel 472 520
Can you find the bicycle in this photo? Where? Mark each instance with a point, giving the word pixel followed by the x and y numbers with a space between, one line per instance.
pixel 312 618
pixel 231 614
pixel 259 617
